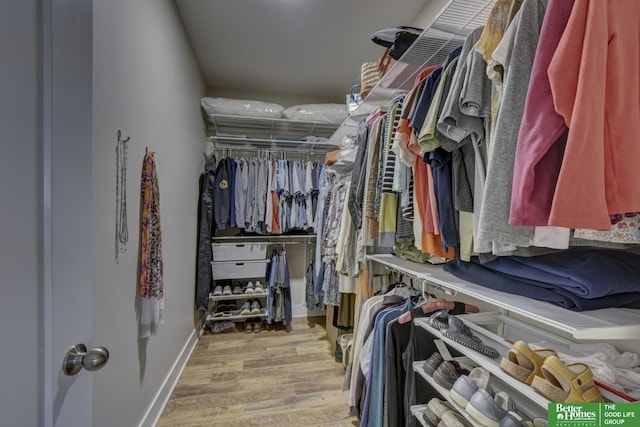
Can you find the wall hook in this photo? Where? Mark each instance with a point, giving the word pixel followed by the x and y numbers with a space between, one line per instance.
pixel 120 138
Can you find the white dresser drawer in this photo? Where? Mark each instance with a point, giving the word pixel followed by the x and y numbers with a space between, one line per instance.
pixel 239 270
pixel 239 251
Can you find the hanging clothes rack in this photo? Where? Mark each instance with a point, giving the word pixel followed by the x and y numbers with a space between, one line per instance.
pixel 424 282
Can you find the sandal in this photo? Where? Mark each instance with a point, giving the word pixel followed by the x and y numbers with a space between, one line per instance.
pixel 524 363
pixel 248 326
pixel 566 383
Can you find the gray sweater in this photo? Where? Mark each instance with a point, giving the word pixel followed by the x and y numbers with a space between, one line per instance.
pixel 494 213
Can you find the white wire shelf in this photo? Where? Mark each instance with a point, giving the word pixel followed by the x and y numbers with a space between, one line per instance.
pixel 447 32
pixel 266 238
pixel 528 399
pixel 236 296
pixel 523 402
pixel 235 315
pixel 605 324
pixel 272 145
pixel 265 128
pixel 416 411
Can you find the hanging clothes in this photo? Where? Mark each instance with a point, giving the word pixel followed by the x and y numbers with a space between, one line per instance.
pixel 150 267
pixel 279 294
pixel 593 73
pixel 542 133
pixel 266 196
pixel 206 229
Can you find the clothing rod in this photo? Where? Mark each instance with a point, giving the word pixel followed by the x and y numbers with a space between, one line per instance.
pixel 267 239
pixel 422 279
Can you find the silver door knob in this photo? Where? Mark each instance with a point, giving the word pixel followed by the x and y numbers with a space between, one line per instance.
pixel 78 357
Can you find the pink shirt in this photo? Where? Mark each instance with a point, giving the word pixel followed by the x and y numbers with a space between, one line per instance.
pixel 539 152
pixel 595 81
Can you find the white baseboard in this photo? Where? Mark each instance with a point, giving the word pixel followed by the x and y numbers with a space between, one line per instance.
pixel 302 311
pixel 154 412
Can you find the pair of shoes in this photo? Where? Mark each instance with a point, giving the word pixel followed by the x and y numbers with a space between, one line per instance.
pixel 524 363
pixel 435 409
pixel 253 325
pixel 258 288
pixel 566 383
pixel 250 307
pixel 217 291
pixel 489 410
pixel 514 419
pixel 225 309
pixel 448 372
pixel 237 289
pixel 432 363
pixel 439 320
pixel 453 419
pixel 221 327
pixel 457 331
pixel 466 385
pixel 429 418
pixel 254 288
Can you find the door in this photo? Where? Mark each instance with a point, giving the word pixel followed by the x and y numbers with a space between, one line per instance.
pixel 66 28
pixel 45 214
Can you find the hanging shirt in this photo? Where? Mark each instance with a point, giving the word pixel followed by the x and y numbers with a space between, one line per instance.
pixel 540 146
pixel 494 214
pixel 240 191
pixel 249 200
pixel 593 74
pixel 232 192
pixel 268 213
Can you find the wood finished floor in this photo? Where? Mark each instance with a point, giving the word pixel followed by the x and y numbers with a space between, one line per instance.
pixel 271 378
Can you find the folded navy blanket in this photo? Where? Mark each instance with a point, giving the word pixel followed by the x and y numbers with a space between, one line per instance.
pixel 585 272
pixel 485 275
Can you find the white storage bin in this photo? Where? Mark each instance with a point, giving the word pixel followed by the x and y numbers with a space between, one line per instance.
pixel 239 251
pixel 239 270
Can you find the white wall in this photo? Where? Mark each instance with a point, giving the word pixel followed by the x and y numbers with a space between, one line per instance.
pixel 147 84
pixel 19 217
pixel 428 13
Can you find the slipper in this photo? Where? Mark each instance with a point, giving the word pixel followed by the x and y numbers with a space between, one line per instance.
pixel 460 333
pixel 566 383
pixel 432 363
pixel 257 326
pixel 524 363
pixel 439 320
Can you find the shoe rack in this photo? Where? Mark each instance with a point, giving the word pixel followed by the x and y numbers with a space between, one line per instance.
pixel 238 266
pixel 219 302
pixel 507 330
pixel 505 319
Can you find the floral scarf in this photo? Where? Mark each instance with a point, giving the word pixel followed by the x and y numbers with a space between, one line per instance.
pixel 150 277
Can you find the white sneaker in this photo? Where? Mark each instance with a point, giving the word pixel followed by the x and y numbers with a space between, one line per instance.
pixel 255 307
pixel 250 290
pixel 226 290
pixel 258 288
pixel 217 291
pixel 246 309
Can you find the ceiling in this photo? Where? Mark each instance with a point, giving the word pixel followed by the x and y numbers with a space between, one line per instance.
pixel 307 48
